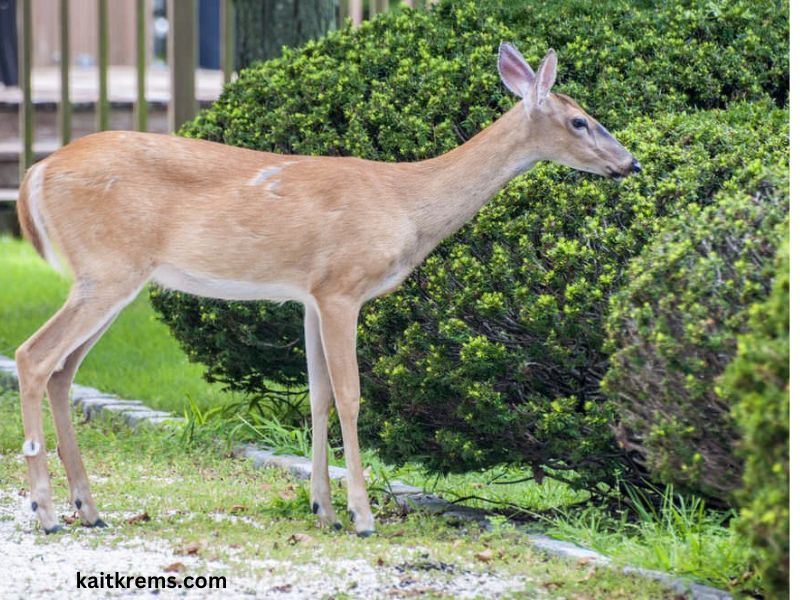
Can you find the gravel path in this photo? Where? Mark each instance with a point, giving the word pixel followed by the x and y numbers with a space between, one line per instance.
pixel 32 569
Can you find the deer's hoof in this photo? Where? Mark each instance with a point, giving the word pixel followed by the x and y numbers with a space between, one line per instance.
pixel 363 522
pixel 53 529
pixel 326 516
pixel 366 533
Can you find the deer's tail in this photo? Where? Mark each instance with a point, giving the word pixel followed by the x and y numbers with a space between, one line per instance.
pixel 29 212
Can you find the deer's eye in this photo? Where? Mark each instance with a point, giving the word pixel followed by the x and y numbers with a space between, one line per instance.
pixel 579 122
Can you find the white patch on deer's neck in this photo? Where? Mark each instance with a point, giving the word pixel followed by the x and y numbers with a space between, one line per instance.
pixel 523 166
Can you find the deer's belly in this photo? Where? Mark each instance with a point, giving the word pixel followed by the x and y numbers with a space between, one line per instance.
pixel 200 284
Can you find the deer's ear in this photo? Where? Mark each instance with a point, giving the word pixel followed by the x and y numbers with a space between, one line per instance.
pixel 545 77
pixel 515 72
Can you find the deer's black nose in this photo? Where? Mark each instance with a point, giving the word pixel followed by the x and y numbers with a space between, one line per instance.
pixel 635 166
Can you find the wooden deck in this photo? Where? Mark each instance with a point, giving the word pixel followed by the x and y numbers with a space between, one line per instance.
pixel 121 86
pixel 84 93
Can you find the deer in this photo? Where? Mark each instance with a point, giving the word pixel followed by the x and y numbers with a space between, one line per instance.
pixel 120 209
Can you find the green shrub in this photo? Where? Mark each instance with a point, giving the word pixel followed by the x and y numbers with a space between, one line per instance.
pixel 651 56
pixel 501 329
pixel 239 342
pixel 672 330
pixel 756 383
pixel 493 351
pixel 412 85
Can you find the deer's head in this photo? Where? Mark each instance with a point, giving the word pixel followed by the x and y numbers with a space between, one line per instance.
pixel 561 130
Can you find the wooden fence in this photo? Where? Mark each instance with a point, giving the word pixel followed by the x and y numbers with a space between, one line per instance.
pixel 182 58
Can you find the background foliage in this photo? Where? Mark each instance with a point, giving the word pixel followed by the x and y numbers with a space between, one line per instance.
pixel 757 384
pixel 672 329
pixel 240 342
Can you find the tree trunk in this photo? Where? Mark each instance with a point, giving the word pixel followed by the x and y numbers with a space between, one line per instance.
pixel 263 27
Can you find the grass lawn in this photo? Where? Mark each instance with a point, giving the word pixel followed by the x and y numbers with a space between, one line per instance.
pixel 215 514
pixel 137 358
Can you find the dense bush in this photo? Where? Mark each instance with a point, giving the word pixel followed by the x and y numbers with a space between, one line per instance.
pixel 756 383
pixel 492 352
pixel 673 326
pixel 241 341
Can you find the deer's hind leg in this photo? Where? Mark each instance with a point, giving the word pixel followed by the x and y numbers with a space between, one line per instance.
pixel 88 309
pixel 321 394
pixel 68 451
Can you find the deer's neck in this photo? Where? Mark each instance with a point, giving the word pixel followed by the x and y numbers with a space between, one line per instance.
pixel 455 185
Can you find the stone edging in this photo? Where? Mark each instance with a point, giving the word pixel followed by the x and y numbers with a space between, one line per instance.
pixel 93 403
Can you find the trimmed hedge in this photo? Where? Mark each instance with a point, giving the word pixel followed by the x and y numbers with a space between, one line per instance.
pixel 412 85
pixel 756 383
pixel 501 329
pixel 239 342
pixel 493 352
pixel 673 327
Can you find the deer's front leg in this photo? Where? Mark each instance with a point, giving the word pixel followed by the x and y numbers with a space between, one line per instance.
pixel 338 320
pixel 321 401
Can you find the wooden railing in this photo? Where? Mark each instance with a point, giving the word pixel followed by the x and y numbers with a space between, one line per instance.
pixel 181 53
